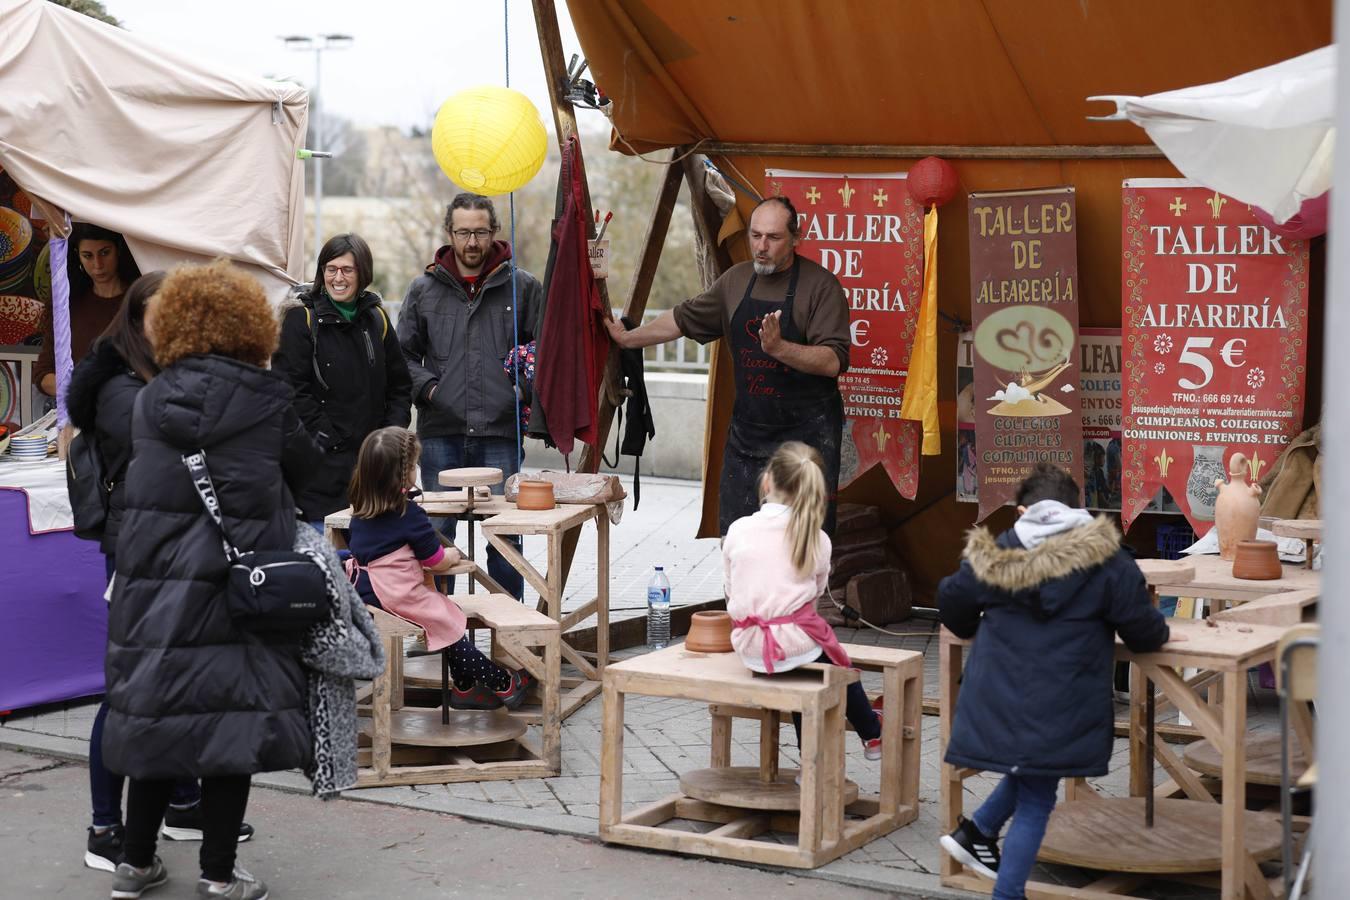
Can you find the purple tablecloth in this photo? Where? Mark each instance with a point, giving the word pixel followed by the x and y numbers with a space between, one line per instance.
pixel 53 620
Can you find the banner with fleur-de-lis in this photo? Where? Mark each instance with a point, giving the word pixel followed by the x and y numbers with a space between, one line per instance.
pixel 1215 321
pixel 869 232
pixel 1024 309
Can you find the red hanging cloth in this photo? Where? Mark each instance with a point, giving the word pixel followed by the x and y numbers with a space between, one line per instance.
pixel 573 344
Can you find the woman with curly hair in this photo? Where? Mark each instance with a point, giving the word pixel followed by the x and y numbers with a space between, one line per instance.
pixel 190 694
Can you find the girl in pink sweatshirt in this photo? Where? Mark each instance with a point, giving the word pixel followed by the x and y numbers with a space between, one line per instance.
pixel 776 563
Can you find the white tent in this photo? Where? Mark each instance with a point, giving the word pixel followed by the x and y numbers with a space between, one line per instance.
pixel 188 162
pixel 1264 137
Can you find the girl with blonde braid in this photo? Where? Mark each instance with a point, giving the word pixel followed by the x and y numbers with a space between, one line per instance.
pixel 395 553
pixel 776 563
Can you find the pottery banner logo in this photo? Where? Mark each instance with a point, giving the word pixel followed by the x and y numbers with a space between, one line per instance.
pixel 1215 320
pixel 868 231
pixel 1024 307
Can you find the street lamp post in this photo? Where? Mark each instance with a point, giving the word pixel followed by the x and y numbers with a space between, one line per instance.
pixel 318 43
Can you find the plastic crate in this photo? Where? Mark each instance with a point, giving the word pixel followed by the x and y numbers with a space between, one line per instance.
pixel 1173 538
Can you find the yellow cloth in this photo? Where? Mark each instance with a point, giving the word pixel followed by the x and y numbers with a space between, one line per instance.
pixel 921 390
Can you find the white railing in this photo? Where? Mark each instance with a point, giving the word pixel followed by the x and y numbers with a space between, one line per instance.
pixel 680 355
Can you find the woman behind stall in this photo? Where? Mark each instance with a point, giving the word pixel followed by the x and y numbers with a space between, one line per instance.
pixel 340 353
pixel 100 269
pixel 190 693
pixel 100 399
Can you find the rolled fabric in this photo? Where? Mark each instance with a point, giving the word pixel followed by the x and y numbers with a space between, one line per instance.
pixel 61 324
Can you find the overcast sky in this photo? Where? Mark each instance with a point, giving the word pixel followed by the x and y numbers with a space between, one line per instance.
pixel 408 56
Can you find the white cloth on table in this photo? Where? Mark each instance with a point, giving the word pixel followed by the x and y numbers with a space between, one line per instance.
pixel 1291 549
pixel 45 484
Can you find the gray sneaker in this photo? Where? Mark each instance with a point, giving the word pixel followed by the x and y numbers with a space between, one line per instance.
pixel 243 887
pixel 129 882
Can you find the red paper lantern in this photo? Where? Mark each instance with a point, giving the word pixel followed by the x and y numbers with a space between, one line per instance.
pixel 1308 222
pixel 932 181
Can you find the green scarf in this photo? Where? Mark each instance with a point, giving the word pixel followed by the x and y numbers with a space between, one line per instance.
pixel 346 310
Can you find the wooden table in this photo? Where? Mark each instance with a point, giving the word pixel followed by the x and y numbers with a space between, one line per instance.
pixel 1109 834
pixel 553 525
pixel 1212 578
pixel 826 811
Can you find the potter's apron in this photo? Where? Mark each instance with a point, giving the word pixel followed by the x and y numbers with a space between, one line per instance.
pixel 774 403
pixel 398 581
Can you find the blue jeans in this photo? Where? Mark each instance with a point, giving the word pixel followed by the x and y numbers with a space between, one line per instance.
pixel 461 451
pixel 105 787
pixel 1028 801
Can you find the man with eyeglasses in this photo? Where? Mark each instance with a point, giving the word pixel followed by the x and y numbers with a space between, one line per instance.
pixel 786 322
pixel 459 320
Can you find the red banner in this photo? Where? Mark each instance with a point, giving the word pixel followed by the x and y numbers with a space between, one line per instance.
pixel 1024 308
pixel 868 231
pixel 1215 328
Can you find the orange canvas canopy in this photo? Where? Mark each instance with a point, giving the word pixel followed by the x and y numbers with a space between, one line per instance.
pixel 975 78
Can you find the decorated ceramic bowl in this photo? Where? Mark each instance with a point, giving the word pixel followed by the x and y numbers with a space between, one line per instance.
pixel 16 233
pixel 19 317
pixel 42 274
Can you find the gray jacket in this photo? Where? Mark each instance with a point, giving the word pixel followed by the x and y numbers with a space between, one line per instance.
pixel 458 346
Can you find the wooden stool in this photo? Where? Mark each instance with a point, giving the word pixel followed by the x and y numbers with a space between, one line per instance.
pixel 826 811
pixel 553 525
pixel 408 745
pixel 470 479
pixel 1309 531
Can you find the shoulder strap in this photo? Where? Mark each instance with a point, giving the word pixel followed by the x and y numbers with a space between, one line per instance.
pixel 201 480
pixel 384 318
pixel 313 322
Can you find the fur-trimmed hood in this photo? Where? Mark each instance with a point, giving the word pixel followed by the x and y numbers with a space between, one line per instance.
pixel 1052 572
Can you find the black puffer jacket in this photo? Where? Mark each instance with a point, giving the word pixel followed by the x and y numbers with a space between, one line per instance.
pixel 1036 695
pixel 367 386
pixel 189 694
pixel 99 399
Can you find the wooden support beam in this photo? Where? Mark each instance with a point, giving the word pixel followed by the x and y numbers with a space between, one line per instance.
pixel 918 151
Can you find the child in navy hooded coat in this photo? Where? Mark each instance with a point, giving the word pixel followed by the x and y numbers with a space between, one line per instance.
pixel 1044 602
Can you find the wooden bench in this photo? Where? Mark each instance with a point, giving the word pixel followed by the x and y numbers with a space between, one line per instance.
pixel 828 813
pixel 402 744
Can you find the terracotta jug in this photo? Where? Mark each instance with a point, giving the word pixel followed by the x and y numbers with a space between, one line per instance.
pixel 1237 508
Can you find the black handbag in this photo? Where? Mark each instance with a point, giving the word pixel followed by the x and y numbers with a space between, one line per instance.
pixel 268 590
pixel 87 486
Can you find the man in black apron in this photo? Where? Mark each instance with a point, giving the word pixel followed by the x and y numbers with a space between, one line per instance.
pixel 786 321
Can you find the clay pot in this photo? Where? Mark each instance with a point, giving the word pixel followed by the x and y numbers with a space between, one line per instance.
pixel 709 632
pixel 535 495
pixel 1257 561
pixel 1237 508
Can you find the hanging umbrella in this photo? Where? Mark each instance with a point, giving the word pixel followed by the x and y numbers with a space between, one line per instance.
pixel 1264 137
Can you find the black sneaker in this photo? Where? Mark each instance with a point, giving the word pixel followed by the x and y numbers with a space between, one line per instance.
pixel 104 850
pixel 185 824
pixel 972 849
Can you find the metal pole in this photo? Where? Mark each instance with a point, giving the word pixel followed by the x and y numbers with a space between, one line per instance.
pixel 1333 707
pixel 318 143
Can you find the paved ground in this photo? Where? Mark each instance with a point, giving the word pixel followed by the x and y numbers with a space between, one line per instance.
pixel 664 738
pixel 354 850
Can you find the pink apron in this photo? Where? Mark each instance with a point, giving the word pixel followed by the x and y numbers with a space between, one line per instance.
pixel 397 579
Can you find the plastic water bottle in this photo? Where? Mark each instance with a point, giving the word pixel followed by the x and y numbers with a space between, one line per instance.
pixel 658 610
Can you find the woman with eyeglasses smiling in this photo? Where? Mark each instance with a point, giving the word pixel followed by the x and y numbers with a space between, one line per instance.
pixel 340 353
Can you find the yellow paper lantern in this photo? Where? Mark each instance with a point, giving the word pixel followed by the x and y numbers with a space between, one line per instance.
pixel 489 140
